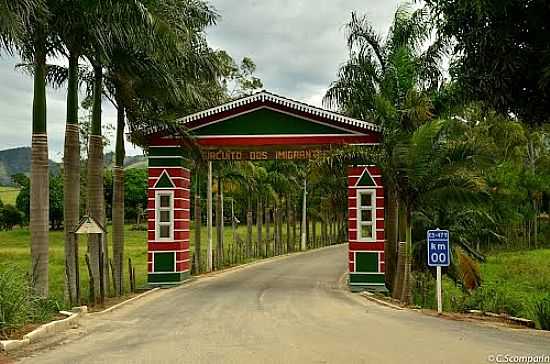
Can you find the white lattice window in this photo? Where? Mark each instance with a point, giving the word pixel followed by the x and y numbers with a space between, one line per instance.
pixel 366 215
pixel 164 215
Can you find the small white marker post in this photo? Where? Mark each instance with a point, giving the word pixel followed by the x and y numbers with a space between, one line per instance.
pixel 438 256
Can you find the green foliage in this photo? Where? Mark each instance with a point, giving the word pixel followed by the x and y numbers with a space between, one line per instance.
pixel 10 217
pixel 56 200
pixel 135 189
pixel 542 312
pixel 501 53
pixel 18 306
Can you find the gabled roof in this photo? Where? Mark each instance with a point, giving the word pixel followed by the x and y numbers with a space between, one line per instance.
pixel 265 98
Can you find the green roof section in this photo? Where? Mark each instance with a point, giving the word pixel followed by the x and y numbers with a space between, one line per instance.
pixel 265 121
pixel 164 181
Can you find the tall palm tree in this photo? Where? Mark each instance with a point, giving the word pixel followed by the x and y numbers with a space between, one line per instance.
pixel 69 26
pixel 388 81
pixel 146 73
pixel 34 45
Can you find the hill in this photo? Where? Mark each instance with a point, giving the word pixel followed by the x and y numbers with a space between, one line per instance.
pixel 18 160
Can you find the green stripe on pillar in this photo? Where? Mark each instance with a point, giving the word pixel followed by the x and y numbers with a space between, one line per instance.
pixel 167 278
pixel 165 152
pixel 165 162
pixel 366 278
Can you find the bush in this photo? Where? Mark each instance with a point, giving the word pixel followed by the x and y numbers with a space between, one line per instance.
pixel 542 312
pixel 10 217
pixel 18 306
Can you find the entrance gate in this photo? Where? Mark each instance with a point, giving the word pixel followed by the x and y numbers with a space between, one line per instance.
pixel 261 127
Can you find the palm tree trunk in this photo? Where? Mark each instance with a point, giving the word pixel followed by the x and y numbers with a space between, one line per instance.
pixel 95 178
pixel 39 199
pixel 118 203
pixel 267 228
pixel 197 255
pixel 249 223
pixel 71 184
pixel 219 226
pixel 259 224
pixel 288 246
pixel 406 289
pixel 390 251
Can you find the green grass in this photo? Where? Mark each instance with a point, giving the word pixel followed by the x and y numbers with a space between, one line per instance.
pixel 15 250
pixel 512 283
pixel 8 195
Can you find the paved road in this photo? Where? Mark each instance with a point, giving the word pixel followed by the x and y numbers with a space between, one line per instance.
pixel 291 310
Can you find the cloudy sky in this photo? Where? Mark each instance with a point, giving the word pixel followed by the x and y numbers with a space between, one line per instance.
pixel 297 46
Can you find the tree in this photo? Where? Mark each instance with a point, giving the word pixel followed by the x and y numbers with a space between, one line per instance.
pixel 389 81
pixel 502 53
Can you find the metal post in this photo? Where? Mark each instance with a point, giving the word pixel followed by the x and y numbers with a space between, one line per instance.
pixel 439 298
pixel 209 217
pixel 304 221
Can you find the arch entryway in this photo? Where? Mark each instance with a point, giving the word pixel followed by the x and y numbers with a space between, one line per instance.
pixel 260 127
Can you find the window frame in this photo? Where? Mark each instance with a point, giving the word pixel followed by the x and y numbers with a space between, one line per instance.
pixel 158 209
pixel 360 209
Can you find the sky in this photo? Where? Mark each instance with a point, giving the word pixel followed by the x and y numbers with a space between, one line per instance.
pixel 297 46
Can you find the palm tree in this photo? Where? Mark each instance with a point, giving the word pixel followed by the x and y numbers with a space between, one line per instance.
pixel 69 26
pixel 147 73
pixel 34 44
pixel 388 81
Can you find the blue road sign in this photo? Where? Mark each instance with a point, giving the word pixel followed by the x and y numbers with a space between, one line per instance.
pixel 438 248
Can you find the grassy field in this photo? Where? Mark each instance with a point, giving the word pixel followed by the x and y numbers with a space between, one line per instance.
pixel 14 250
pixel 8 194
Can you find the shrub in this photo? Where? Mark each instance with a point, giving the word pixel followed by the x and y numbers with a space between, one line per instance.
pixel 18 306
pixel 10 217
pixel 542 312
pixel 14 302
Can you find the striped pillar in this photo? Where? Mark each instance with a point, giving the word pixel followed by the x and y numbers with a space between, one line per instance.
pixel 366 228
pixel 168 257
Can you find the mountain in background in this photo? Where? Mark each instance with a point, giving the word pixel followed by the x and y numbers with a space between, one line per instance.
pixel 18 160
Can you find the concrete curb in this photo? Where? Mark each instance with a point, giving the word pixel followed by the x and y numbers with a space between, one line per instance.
pixel 44 330
pixel 371 297
pixel 123 303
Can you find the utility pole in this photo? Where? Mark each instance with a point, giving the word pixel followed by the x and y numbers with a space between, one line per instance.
pixel 304 221
pixel 209 217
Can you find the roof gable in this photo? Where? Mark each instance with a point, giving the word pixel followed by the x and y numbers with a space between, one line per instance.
pixel 267 121
pixel 274 102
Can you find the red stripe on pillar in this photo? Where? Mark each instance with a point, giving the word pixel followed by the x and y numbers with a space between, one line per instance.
pixel 351 267
pixel 366 246
pixel 182 255
pixel 182 266
pixel 379 213
pixel 380 235
pixel 175 246
pixel 172 171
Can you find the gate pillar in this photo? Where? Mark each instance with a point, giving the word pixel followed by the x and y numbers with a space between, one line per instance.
pixel 168 210
pixel 366 228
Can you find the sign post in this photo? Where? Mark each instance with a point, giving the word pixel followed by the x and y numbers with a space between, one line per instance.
pixel 438 256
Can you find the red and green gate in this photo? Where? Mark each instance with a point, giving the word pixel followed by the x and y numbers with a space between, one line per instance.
pixel 260 127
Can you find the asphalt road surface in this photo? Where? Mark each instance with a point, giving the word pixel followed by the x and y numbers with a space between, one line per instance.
pixel 288 310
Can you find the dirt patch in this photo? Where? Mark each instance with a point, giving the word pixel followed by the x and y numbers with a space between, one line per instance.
pixel 111 301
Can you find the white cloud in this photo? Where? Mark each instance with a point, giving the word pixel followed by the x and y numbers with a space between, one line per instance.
pixel 297 45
